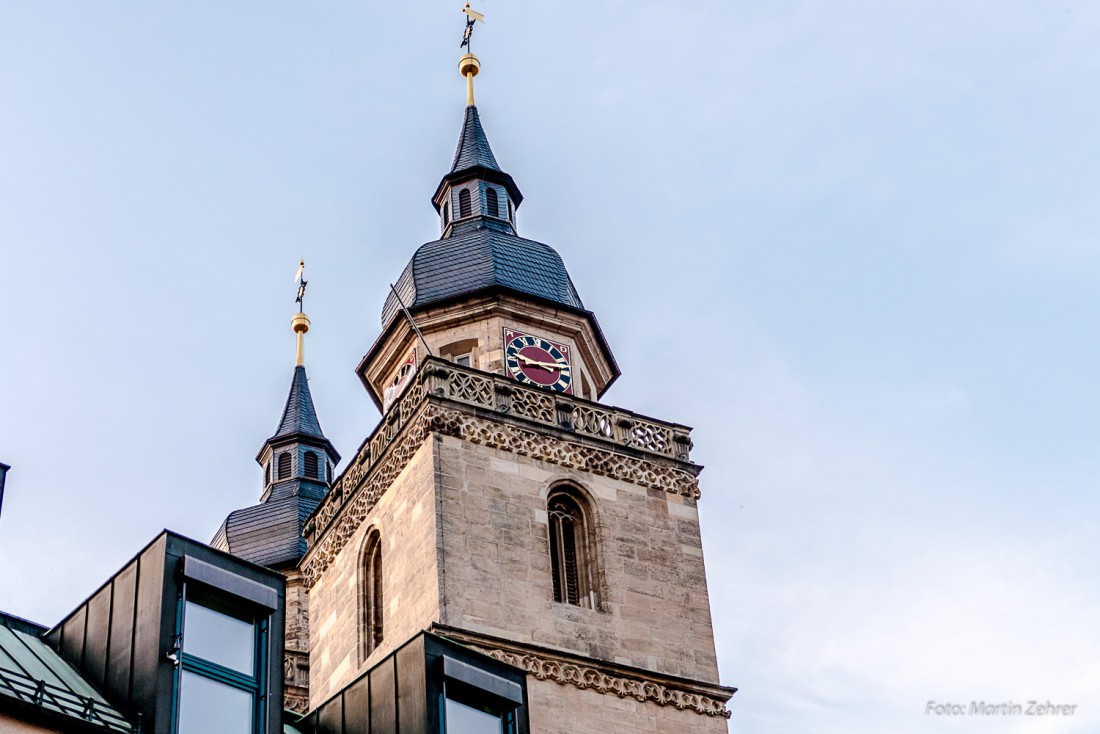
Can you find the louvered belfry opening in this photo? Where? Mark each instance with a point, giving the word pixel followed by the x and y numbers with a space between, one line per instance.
pixel 311 465
pixel 284 466
pixel 370 595
pixel 572 549
pixel 492 203
pixel 464 208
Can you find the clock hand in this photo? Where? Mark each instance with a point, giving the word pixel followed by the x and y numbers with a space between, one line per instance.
pixel 535 363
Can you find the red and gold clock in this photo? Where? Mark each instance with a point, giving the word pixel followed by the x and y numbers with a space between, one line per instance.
pixel 536 361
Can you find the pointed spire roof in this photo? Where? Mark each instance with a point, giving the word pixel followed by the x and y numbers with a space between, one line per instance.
pixel 473 147
pixel 299 415
pixel 474 159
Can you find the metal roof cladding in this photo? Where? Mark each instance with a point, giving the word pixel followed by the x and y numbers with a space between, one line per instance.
pixel 480 253
pixel 33 675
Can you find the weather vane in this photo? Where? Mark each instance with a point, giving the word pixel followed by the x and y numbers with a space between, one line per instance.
pixel 302 283
pixel 472 16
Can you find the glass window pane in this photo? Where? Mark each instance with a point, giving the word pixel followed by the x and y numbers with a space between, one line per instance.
pixel 463 719
pixel 207 706
pixel 219 638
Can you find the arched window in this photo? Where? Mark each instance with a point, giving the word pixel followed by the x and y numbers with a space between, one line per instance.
pixel 572 548
pixel 311 465
pixel 491 202
pixel 464 203
pixel 284 466
pixel 446 212
pixel 267 473
pixel 370 595
pixel 511 211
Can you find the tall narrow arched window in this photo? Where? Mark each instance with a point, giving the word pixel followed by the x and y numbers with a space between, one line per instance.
pixel 446 212
pixel 284 465
pixel 311 465
pixel 572 548
pixel 267 473
pixel 491 202
pixel 370 595
pixel 464 209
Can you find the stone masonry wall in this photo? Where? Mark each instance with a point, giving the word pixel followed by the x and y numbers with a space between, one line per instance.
pixel 558 709
pixel 406 520
pixel 296 658
pixel 655 612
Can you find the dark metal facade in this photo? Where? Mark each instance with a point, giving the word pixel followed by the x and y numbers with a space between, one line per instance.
pixel 120 638
pixel 402 694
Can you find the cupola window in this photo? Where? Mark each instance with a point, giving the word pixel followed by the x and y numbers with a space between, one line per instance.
pixel 284 466
pixel 446 212
pixel 491 203
pixel 464 209
pixel 311 465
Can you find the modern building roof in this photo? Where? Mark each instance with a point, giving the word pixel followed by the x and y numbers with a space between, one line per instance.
pixel 35 678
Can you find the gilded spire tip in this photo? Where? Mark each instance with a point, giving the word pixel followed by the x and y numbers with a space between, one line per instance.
pixel 300 322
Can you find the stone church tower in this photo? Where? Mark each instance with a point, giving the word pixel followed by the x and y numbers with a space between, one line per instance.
pixel 498 503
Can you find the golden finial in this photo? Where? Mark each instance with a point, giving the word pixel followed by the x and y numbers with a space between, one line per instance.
pixel 468 65
pixel 300 322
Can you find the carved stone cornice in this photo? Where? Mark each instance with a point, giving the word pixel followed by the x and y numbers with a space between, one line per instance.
pixel 587 674
pixel 337 519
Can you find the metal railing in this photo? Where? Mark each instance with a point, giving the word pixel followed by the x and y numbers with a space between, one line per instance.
pixel 63 700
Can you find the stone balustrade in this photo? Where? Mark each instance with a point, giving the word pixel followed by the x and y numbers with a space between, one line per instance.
pixel 440 379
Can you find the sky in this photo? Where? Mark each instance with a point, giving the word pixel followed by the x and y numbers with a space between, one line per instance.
pixel 856 245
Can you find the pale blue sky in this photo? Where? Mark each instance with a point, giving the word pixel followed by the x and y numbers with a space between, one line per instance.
pixel 855 244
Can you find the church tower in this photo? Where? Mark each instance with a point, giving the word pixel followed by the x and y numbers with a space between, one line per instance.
pixel 498 503
pixel 297 463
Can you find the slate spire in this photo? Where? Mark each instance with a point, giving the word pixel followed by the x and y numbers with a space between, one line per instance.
pixel 298 468
pixel 299 415
pixel 473 147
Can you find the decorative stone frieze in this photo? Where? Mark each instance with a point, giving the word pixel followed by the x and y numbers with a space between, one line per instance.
pixel 588 674
pixel 590 678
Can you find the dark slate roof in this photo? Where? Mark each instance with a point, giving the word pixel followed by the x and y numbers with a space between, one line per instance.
pixel 269 534
pixel 478 260
pixel 473 147
pixel 299 415
pixel 26 662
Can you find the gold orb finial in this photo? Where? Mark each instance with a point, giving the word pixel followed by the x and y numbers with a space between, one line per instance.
pixel 469 66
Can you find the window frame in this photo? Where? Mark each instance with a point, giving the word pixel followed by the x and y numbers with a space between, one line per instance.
pixel 315 465
pixel 585 549
pixel 372 615
pixel 256 684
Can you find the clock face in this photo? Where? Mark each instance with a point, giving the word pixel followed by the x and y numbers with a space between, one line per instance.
pixel 533 360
